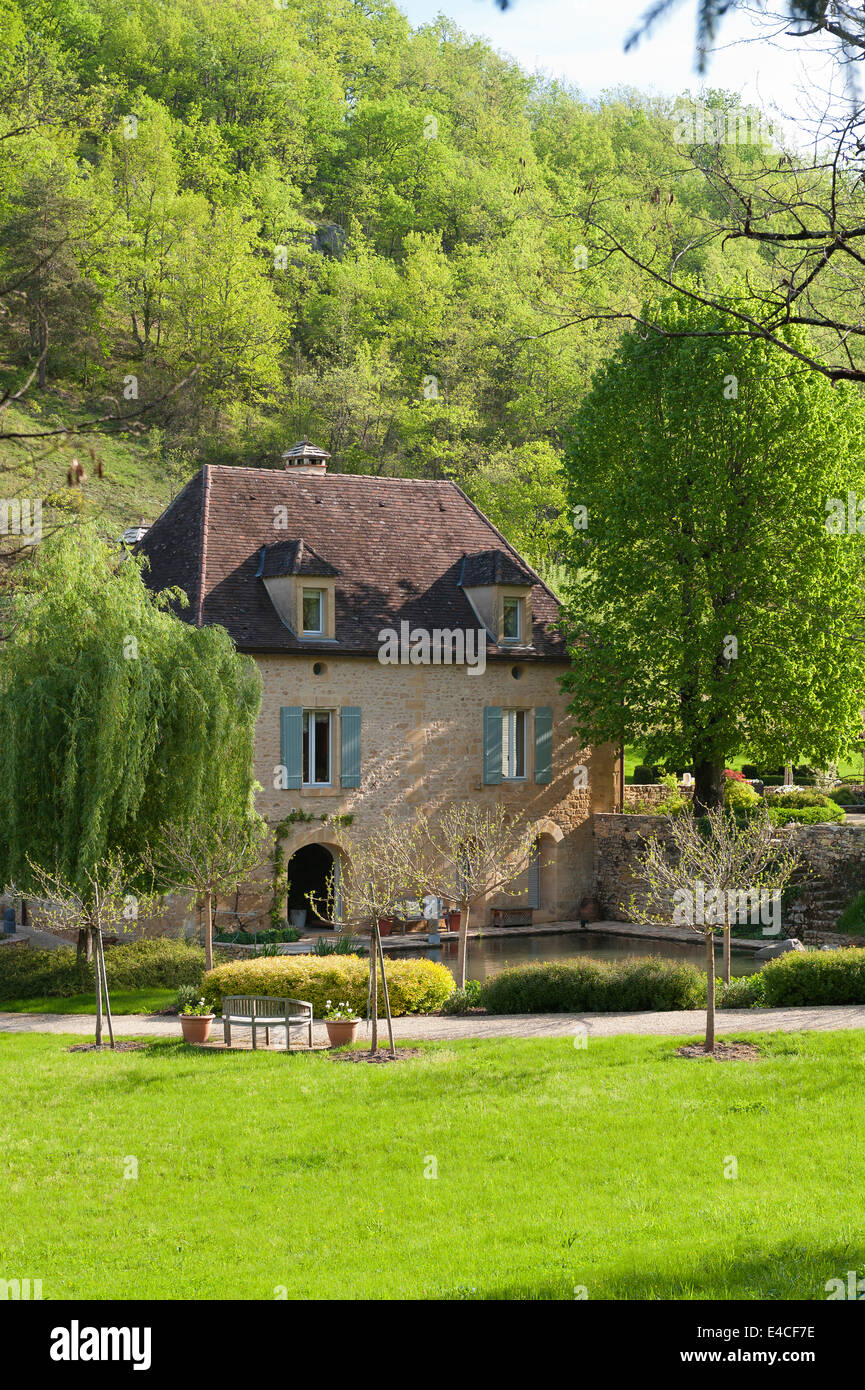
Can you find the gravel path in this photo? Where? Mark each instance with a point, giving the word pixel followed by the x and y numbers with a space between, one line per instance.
pixel 675 1024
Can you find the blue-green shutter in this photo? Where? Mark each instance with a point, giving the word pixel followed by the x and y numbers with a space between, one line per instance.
pixel 492 745
pixel 533 899
pixel 350 750
pixel 543 744
pixel 291 744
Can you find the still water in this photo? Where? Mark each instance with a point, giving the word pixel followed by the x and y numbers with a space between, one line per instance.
pixel 489 955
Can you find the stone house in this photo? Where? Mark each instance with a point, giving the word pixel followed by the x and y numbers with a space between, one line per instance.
pixel 407 655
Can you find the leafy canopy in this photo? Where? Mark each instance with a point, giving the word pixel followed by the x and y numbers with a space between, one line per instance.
pixel 710 606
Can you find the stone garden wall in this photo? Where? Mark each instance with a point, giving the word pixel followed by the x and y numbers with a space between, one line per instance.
pixel 832 870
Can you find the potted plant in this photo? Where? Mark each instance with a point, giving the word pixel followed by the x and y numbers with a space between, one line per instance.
pixel 454 919
pixel 195 1020
pixel 341 1023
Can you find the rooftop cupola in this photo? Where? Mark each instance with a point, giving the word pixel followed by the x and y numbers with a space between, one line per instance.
pixel 306 458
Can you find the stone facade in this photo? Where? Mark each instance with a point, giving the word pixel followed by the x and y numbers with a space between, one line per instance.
pixel 422 747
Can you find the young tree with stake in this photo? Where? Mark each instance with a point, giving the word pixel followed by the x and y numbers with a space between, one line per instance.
pixel 464 855
pixel 103 905
pixel 208 856
pixel 706 864
pixel 383 873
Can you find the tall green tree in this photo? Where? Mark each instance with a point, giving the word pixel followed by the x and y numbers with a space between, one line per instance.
pixel 714 601
pixel 117 716
pixel 40 252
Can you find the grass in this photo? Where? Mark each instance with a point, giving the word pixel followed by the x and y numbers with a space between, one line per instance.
pixel 557 1167
pixel 128 1001
pixel 134 484
pixel 634 756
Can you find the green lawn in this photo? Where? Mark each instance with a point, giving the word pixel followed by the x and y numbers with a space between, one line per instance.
pixel 634 756
pixel 126 1001
pixel 557 1167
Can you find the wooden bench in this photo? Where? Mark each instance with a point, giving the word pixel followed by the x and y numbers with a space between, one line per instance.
pixel 261 1011
pixel 511 917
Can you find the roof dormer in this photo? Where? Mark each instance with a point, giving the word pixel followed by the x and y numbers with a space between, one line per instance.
pixel 499 589
pixel 302 588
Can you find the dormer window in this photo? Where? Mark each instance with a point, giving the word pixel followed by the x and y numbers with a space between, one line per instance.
pixel 498 587
pixel 512 619
pixel 302 588
pixel 313 612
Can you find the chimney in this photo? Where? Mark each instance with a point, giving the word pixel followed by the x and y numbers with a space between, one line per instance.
pixel 305 458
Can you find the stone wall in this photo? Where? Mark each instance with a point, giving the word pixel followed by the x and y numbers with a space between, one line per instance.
pixel 619 840
pixel 832 869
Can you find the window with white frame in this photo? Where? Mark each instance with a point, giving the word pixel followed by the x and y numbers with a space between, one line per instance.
pixel 512 619
pixel 313 612
pixel 317 749
pixel 513 744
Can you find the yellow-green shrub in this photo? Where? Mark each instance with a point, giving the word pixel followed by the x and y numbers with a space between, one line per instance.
pixel 739 796
pixel 415 986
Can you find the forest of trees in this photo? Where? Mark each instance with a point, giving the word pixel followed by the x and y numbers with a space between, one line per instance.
pixel 242 221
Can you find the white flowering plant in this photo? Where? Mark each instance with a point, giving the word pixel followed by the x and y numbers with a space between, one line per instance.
pixel 193 1010
pixel 339 1013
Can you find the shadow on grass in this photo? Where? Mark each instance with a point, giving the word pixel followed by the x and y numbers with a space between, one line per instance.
pixel 790 1271
pixel 176 1047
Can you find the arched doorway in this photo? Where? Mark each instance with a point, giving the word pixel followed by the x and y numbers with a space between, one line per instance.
pixel 542 877
pixel 314 871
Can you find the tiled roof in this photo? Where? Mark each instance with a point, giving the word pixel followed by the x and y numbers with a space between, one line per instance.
pixel 399 547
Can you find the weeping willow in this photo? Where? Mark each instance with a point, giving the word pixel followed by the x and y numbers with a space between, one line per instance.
pixel 115 715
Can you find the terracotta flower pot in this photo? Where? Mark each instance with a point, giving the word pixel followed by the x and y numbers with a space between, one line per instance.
pixel 196 1027
pixel 385 926
pixel 342 1031
pixel 454 921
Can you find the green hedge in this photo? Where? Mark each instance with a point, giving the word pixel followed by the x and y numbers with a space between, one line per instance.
pixel 263 938
pixel 644 775
pixel 796 978
pixel 743 992
pixel 797 799
pixel 594 986
pixel 815 977
pixel 806 815
pixel 845 796
pixel 415 986
pixel 160 963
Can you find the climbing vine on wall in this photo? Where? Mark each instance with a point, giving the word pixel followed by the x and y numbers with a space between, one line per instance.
pixel 282 829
